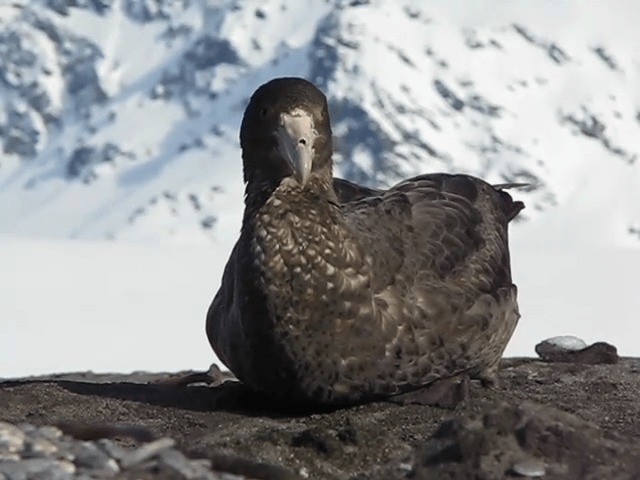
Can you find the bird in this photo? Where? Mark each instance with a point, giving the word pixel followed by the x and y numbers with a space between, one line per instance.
pixel 336 293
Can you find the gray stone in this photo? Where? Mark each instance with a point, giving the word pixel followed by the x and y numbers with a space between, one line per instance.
pixel 39 447
pixel 11 438
pixel 89 457
pixel 37 465
pixel 147 451
pixel 529 467
pixel 32 468
pixel 26 428
pixel 114 451
pixel 67 466
pixel 49 432
pixel 177 463
pixel 13 470
pixel 570 349
pixel 53 473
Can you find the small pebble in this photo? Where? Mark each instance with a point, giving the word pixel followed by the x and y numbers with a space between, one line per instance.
pixel 112 466
pixel 51 474
pixel 12 470
pixel 89 456
pixel 34 465
pixel 27 428
pixel 50 433
pixel 11 438
pixel 177 462
pixel 531 467
pixel 67 466
pixel 147 451
pixel 39 447
pixel 111 449
pixel 201 462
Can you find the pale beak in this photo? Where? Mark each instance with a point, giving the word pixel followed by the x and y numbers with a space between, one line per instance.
pixel 296 136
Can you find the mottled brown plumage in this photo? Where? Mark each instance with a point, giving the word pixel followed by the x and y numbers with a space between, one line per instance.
pixel 336 293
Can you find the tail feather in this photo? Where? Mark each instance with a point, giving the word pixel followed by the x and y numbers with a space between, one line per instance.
pixel 506 186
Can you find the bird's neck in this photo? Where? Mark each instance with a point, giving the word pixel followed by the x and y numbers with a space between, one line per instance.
pixel 307 261
pixel 261 191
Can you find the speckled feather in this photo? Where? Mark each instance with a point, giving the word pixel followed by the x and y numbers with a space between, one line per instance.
pixel 337 293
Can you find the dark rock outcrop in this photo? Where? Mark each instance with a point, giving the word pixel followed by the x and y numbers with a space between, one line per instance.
pixel 553 420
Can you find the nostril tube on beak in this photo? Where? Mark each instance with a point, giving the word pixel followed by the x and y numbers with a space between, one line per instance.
pixel 295 136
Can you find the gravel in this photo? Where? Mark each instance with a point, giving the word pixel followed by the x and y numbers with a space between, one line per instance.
pixel 578 418
pixel 28 452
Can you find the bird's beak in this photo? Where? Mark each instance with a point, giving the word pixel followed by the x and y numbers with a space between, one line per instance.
pixel 296 136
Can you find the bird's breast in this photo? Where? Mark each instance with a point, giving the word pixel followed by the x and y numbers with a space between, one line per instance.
pixel 314 272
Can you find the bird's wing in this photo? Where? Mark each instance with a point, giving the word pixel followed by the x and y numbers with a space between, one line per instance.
pixel 237 338
pixel 349 192
pixel 222 326
pixel 436 229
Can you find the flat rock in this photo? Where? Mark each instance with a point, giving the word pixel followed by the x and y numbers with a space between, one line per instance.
pixel 569 349
pixel 548 419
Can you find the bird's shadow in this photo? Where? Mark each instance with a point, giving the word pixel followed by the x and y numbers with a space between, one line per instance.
pixel 229 396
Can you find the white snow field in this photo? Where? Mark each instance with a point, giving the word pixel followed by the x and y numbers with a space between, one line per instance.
pixel 72 305
pixel 111 307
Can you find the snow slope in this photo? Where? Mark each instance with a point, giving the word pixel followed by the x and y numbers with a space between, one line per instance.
pixel 120 118
pixel 71 305
pixel 104 306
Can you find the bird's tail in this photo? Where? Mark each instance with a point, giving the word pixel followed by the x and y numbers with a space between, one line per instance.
pixel 506 186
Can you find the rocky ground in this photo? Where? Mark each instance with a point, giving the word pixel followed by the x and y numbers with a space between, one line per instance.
pixel 544 420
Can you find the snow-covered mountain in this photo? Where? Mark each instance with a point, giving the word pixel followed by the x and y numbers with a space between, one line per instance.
pixel 119 118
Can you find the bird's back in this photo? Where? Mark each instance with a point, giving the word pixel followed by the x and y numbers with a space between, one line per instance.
pixel 450 228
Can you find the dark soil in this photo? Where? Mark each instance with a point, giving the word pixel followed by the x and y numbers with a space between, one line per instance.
pixel 559 420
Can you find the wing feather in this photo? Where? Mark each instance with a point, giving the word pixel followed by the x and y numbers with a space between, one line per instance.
pixel 445 227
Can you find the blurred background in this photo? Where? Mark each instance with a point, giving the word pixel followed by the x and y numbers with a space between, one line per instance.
pixel 120 172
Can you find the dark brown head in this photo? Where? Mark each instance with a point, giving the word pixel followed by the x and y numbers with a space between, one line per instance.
pixel 286 133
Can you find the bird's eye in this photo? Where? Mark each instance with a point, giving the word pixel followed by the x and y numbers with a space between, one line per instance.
pixel 264 112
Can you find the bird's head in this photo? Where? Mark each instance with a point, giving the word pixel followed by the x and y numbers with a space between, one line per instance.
pixel 286 133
